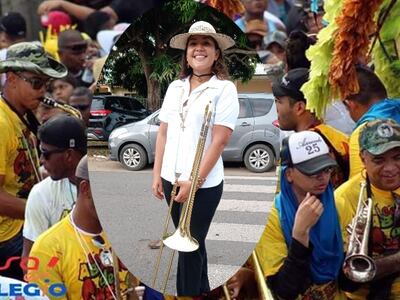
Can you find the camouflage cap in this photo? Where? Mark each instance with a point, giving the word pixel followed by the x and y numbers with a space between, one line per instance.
pixel 380 136
pixel 31 57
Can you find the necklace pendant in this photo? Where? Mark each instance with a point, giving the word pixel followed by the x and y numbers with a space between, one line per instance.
pixel 182 126
pixel 106 258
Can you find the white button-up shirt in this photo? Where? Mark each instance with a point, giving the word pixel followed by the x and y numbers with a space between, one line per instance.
pixel 181 144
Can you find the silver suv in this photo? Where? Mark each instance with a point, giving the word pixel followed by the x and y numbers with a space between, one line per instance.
pixel 255 140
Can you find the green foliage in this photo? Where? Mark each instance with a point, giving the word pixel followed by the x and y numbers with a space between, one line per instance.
pixel 143 50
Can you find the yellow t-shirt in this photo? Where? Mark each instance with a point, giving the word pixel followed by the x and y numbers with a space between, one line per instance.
pixel 356 165
pixel 75 255
pixel 272 252
pixel 386 236
pixel 15 165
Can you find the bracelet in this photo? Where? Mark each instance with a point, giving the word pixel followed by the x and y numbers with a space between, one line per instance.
pixel 200 181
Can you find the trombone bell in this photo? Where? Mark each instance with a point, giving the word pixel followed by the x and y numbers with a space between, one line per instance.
pixel 181 242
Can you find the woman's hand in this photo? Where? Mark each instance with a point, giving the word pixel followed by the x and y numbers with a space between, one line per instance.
pixel 307 215
pixel 184 189
pixel 49 5
pixel 239 280
pixel 157 188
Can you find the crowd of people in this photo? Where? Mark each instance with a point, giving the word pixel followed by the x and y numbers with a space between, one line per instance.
pixel 47 213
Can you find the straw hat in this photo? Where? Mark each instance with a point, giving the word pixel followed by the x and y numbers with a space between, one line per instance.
pixel 179 41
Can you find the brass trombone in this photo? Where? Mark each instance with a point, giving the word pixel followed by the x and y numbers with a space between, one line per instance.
pixel 182 240
pixel 263 291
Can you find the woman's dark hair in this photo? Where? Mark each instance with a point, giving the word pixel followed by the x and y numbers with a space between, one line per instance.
pixel 297 45
pixel 69 79
pixel 219 68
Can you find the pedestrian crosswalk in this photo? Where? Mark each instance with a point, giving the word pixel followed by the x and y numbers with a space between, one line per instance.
pixel 238 224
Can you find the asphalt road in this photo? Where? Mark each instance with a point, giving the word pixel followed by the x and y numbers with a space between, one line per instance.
pixel 132 217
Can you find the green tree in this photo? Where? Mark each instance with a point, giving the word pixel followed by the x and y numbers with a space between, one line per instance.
pixel 143 62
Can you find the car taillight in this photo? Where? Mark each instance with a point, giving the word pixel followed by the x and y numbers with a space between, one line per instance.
pixel 276 123
pixel 100 112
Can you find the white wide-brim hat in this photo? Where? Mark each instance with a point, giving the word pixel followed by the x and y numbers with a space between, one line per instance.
pixel 179 41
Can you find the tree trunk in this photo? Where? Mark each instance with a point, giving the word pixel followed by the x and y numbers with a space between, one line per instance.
pixel 153 94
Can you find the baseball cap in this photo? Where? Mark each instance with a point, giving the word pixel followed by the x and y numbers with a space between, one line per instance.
pixel 64 132
pixel 307 152
pixel 380 136
pixel 278 37
pixel 291 83
pixel 82 170
pixel 13 23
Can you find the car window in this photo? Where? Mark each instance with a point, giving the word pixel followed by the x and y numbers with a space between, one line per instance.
pixel 97 104
pixel 124 104
pixel 137 105
pixel 244 109
pixel 261 106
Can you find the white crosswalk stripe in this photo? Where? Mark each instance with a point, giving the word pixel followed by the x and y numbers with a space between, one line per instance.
pixel 244 199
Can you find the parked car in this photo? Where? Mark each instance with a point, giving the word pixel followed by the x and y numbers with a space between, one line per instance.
pixel 109 112
pixel 255 140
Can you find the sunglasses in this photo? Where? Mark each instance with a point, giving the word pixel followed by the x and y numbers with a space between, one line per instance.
pixel 77 48
pixel 36 83
pixel 47 153
pixel 81 106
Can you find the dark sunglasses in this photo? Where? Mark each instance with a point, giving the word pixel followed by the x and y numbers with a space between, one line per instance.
pixel 47 153
pixel 81 106
pixel 36 83
pixel 77 48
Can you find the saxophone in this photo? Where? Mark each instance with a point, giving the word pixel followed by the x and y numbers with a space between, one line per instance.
pixel 64 107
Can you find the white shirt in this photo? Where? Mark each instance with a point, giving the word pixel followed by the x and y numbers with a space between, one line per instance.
pixel 181 144
pixel 48 202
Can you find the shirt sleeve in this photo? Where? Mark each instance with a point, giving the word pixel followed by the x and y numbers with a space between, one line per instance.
pixel 36 221
pixel 3 148
pixel 356 164
pixel 227 107
pixel 169 97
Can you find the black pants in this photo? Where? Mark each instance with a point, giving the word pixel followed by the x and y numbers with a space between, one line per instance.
pixel 9 249
pixel 192 274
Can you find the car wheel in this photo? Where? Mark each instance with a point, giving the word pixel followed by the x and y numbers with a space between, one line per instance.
pixel 133 157
pixel 259 158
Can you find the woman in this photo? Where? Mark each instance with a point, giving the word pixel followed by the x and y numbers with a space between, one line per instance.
pixel 202 80
pixel 61 89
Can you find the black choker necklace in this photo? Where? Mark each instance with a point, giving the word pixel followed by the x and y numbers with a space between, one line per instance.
pixel 203 75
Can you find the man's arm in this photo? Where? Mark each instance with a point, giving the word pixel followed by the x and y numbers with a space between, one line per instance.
pixel 10 206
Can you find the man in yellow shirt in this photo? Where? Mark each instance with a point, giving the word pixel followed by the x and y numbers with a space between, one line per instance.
pixel 369 104
pixel 83 265
pixel 380 153
pixel 28 70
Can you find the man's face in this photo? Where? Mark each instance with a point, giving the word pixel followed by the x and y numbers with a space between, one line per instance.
pixel 286 114
pixel 30 88
pixel 81 103
pixel 54 160
pixel 383 170
pixel 302 184
pixel 73 54
pixel 255 6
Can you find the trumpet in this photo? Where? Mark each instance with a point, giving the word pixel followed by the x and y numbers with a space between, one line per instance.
pixel 358 266
pixel 64 107
pixel 182 240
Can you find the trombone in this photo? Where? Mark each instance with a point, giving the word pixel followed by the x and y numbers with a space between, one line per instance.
pixel 182 240
pixel 263 291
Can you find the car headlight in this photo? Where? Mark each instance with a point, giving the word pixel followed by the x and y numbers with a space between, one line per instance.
pixel 118 132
